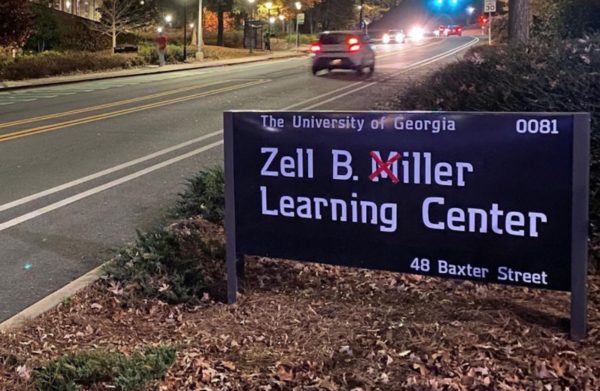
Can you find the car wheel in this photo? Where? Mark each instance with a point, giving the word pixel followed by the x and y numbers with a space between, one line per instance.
pixel 359 70
pixel 372 68
pixel 315 70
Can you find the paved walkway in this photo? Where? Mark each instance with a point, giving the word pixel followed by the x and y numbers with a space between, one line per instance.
pixel 148 70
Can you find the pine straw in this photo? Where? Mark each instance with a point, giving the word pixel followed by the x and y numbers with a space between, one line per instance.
pixel 301 326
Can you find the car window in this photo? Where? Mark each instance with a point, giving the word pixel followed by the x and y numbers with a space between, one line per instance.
pixel 332 39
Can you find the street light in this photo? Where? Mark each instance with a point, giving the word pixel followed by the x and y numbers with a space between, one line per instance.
pixel 169 18
pixel 470 11
pixel 269 5
pixel 298 6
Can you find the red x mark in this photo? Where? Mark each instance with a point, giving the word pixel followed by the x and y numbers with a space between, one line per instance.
pixel 384 166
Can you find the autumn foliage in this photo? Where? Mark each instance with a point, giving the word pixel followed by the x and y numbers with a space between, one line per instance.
pixel 16 23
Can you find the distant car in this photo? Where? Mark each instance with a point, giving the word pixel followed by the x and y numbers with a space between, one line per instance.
pixel 394 36
pixel 453 30
pixel 342 50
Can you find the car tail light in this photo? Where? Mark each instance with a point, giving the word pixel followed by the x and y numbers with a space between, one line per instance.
pixel 459 29
pixel 352 41
pixel 315 48
pixel 354 48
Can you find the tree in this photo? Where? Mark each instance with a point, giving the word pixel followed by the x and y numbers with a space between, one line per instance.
pixel 220 7
pixel 120 16
pixel 518 21
pixel 16 23
pixel 45 33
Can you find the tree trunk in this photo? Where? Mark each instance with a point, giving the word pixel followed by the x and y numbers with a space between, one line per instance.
pixel 114 37
pixel 220 26
pixel 518 21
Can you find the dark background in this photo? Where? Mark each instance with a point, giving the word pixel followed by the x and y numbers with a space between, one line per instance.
pixel 520 172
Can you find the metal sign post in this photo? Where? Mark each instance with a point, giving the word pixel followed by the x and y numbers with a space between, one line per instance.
pixel 487 197
pixel 489 6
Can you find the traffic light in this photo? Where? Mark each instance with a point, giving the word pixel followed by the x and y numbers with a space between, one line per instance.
pixel 483 20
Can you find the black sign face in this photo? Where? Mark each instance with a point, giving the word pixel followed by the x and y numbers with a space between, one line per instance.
pixel 478 196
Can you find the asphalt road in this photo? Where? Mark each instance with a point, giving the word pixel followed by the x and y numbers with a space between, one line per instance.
pixel 82 166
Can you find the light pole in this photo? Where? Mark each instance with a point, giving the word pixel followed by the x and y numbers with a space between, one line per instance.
pixel 470 11
pixel 360 14
pixel 282 19
pixel 298 8
pixel 250 28
pixel 199 52
pixel 184 30
pixel 269 5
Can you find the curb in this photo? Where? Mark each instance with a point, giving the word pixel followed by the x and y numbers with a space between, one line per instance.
pixel 150 72
pixel 51 301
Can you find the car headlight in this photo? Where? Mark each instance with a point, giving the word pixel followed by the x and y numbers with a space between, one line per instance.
pixel 385 38
pixel 417 32
pixel 399 37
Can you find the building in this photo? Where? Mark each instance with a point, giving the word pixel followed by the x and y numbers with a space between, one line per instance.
pixel 83 8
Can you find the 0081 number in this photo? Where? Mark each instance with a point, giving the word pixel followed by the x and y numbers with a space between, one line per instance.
pixel 535 126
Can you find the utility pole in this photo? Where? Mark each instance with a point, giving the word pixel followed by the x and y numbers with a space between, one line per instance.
pixel 518 21
pixel 200 53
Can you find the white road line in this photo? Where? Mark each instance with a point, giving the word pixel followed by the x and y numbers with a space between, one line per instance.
pixel 137 174
pixel 142 159
pixel 102 173
pixel 106 186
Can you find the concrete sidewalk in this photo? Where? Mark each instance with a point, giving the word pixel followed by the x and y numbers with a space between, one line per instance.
pixel 149 70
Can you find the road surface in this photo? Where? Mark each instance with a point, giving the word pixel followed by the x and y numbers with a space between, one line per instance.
pixel 82 166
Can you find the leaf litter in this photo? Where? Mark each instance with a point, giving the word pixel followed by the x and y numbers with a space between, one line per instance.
pixel 308 326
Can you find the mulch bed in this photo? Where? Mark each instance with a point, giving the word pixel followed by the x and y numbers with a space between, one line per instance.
pixel 300 326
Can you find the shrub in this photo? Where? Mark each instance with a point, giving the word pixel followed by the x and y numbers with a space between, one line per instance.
pixel 55 63
pixel 74 370
pixel 550 77
pixel 500 29
pixel 204 196
pixel 180 263
pixel 174 53
pixel 176 265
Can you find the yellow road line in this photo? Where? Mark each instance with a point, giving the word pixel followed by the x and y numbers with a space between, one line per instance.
pixel 98 117
pixel 105 106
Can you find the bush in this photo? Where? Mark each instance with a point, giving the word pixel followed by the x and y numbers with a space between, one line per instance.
pixel 180 263
pixel 174 53
pixel 74 370
pixel 55 63
pixel 549 77
pixel 176 265
pixel 204 196
pixel 500 29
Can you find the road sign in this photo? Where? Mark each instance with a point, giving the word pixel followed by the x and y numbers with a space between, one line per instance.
pixel 489 6
pixel 300 18
pixel 487 197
